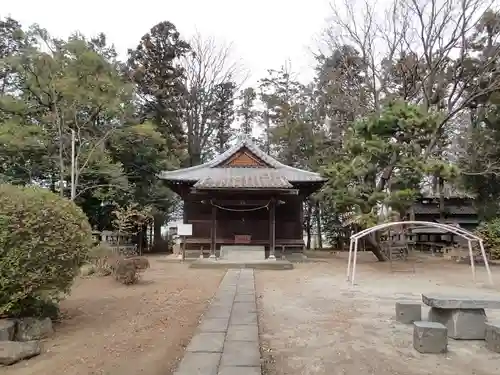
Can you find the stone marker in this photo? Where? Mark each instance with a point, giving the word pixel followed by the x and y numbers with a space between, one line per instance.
pixel 7 329
pixel 12 351
pixel 408 312
pixel 430 337
pixel 493 336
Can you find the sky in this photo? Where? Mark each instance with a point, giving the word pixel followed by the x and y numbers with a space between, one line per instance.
pixel 264 33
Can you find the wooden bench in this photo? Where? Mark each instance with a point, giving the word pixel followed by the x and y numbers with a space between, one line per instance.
pixel 465 318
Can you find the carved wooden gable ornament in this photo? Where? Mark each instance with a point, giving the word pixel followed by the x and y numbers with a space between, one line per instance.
pixel 244 158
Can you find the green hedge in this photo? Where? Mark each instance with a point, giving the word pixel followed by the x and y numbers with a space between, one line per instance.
pixel 44 239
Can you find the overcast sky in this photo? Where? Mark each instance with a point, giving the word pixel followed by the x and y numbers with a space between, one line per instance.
pixel 265 33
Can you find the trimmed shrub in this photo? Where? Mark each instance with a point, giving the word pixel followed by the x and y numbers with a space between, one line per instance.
pixel 44 239
pixel 490 233
pixel 102 257
pixel 141 263
pixel 126 272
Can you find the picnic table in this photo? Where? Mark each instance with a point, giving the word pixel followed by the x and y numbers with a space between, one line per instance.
pixel 464 317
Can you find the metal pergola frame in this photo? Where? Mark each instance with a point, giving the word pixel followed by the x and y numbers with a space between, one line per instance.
pixel 353 246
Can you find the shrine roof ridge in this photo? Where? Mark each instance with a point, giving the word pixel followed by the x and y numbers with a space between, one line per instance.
pixel 213 174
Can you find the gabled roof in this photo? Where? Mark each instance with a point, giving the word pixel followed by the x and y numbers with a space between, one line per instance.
pixel 270 173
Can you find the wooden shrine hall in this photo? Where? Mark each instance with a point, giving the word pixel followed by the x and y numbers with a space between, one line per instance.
pixel 244 197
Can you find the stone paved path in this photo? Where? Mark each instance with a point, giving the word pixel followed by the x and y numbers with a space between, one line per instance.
pixel 227 339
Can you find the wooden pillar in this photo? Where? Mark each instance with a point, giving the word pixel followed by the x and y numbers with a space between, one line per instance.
pixel 272 229
pixel 213 244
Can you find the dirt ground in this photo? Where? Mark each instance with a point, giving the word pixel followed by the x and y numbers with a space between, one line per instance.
pixel 313 323
pixel 113 329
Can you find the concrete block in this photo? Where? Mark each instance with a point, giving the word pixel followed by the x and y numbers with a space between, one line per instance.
pixel 430 337
pixel 244 307
pixel 199 364
pixel 208 342
pixel 242 253
pixel 214 325
pixel 240 353
pixel 240 318
pixel 243 333
pixel 245 297
pixel 218 311
pixel 236 370
pixel 408 312
pixel 463 324
pixel 493 336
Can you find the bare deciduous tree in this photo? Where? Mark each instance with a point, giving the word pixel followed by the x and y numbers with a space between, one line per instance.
pixel 208 67
pixel 429 46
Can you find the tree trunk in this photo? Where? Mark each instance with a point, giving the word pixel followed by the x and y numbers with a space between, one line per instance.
pixel 194 159
pixel 376 248
pixel 142 239
pixel 318 225
pixel 159 219
pixel 441 198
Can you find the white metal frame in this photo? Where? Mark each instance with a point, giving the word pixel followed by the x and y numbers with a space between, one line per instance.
pixel 353 246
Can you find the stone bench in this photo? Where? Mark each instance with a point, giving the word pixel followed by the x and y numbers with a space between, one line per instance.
pixel 465 318
pixel 430 337
pixel 408 312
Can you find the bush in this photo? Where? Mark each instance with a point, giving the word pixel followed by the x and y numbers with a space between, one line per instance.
pixel 102 257
pixel 126 271
pixel 141 263
pixel 490 233
pixel 44 239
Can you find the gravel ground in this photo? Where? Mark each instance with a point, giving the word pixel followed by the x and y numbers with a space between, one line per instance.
pixel 312 322
pixel 113 329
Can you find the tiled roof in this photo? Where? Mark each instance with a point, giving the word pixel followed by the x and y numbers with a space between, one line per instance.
pixel 449 191
pixel 212 175
pixel 245 178
pixel 421 209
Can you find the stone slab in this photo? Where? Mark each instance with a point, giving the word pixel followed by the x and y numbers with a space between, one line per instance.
pixel 244 308
pixel 214 325
pixel 248 332
pixel 453 302
pixel 208 342
pixel 493 336
pixel 242 253
pixel 227 345
pixel 408 312
pixel 199 364
pixel 219 311
pixel 221 303
pixel 226 264
pixel 243 319
pixel 225 296
pixel 245 289
pixel 245 297
pixel 240 353
pixel 463 324
pixel 235 370
pixel 430 337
